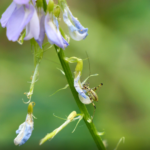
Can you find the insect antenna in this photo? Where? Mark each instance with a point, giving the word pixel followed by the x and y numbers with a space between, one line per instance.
pixel 88 63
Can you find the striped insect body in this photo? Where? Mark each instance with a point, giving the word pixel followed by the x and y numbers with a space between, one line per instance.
pixel 91 93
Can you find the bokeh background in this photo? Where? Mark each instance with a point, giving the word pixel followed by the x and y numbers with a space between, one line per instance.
pixel 118 48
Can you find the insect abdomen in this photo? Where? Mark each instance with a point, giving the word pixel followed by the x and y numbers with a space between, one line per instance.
pixel 94 95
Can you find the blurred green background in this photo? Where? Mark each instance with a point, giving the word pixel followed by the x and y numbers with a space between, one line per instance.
pixel 118 47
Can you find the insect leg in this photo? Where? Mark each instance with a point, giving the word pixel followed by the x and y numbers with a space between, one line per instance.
pixel 92 104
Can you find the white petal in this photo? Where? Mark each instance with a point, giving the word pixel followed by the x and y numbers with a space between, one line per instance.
pixel 19 137
pixel 20 128
pixel 25 130
pixel 78 87
pixel 85 100
pixel 77 36
pixel 33 28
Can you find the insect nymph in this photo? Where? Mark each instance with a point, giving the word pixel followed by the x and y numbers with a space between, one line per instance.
pixel 91 93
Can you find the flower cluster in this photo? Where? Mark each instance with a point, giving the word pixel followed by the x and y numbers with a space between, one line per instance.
pixel 33 19
pixel 29 16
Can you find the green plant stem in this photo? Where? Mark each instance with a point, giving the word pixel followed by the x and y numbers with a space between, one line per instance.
pixel 82 107
pixel 34 78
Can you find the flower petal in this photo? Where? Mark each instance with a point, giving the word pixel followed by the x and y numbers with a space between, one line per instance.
pixel 24 134
pixel 7 14
pixel 20 128
pixel 21 1
pixel 42 29
pixel 78 25
pixel 77 36
pixel 68 21
pixel 65 42
pixel 85 100
pixel 34 2
pixel 27 134
pixel 76 30
pixel 33 27
pixel 52 31
pixel 78 87
pixel 81 93
pixel 47 1
pixel 17 22
pixel 20 133
pixel 25 130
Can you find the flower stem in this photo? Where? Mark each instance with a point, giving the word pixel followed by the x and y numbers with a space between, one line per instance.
pixel 34 78
pixel 87 118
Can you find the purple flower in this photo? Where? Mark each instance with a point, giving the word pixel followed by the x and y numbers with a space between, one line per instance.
pixel 52 31
pixel 17 16
pixel 77 31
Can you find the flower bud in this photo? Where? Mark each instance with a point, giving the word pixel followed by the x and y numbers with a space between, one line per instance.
pixel 57 11
pixel 51 135
pixel 39 3
pixel 50 6
pixel 30 107
pixel 62 33
pixel 79 65
pixel 72 115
